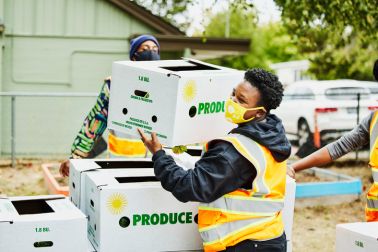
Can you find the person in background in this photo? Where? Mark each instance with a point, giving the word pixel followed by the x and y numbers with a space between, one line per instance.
pixel 365 132
pixel 240 179
pixel 142 48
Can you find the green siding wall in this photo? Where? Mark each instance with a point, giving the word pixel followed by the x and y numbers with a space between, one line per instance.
pixel 57 46
pixel 69 18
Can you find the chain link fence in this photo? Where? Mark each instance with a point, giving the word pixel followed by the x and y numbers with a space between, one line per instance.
pixel 36 124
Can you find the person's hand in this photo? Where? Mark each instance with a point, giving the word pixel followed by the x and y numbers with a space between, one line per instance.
pixel 153 144
pixel 65 168
pixel 290 171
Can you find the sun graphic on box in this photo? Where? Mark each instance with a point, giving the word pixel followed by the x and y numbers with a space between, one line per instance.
pixel 189 91
pixel 116 203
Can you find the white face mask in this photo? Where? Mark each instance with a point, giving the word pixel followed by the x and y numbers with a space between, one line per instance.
pixel 235 112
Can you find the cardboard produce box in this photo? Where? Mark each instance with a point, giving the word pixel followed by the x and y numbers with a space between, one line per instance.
pixel 288 211
pixel 80 167
pixel 181 100
pixel 128 210
pixel 41 223
pixel 357 237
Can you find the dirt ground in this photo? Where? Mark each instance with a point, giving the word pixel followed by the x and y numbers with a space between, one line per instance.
pixel 314 226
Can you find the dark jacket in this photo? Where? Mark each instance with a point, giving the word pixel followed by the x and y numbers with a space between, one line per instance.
pixel 222 169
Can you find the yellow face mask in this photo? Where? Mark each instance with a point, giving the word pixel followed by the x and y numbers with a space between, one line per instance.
pixel 235 112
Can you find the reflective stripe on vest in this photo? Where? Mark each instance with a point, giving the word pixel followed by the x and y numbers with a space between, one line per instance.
pixel 375 174
pixel 222 231
pixel 246 146
pixel 243 213
pixel 246 205
pixel 372 202
pixel 374 140
pixel 371 210
pixel 126 147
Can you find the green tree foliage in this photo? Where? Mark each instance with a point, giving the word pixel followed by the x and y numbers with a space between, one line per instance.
pixel 333 15
pixel 339 37
pixel 340 59
pixel 242 23
pixel 270 43
pixel 169 10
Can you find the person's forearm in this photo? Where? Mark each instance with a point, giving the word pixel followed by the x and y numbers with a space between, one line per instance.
pixel 212 177
pixel 172 177
pixel 318 158
pixel 352 140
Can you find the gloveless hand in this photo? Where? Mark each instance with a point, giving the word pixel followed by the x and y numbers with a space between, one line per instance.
pixel 65 168
pixel 153 144
pixel 290 171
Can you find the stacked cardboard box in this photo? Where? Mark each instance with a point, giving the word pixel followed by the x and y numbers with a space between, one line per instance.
pixel 357 237
pixel 80 167
pixel 41 223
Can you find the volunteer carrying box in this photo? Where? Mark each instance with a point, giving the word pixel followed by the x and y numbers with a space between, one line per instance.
pixel 80 167
pixel 41 223
pixel 128 210
pixel 181 100
pixel 357 237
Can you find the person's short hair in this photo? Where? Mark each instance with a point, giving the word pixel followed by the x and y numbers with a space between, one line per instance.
pixel 136 42
pixel 375 70
pixel 271 89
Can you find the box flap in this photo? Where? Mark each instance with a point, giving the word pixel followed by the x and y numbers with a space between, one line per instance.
pixel 125 164
pixel 84 164
pixel 182 67
pixel 115 178
pixel 208 64
pixel 34 208
pixel 7 210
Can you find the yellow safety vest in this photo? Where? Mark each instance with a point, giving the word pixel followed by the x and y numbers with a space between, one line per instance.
pixel 243 214
pixel 129 147
pixel 371 210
